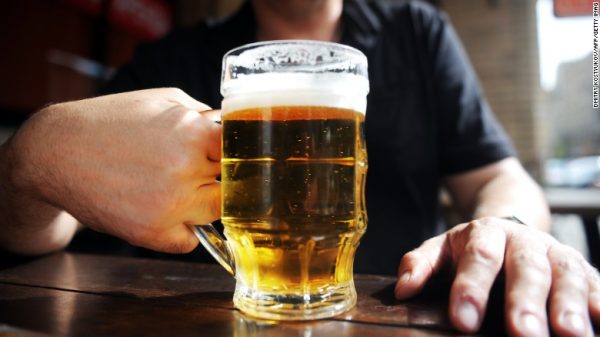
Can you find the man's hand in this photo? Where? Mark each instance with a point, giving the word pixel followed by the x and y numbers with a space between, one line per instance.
pixel 139 165
pixel 548 284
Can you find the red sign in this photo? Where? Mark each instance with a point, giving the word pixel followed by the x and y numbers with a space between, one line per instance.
pixel 149 19
pixel 564 8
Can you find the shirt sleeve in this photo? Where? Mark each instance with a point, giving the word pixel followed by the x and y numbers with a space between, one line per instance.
pixel 142 72
pixel 469 136
pixel 168 62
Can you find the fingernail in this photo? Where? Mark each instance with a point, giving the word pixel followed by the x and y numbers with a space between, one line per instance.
pixel 468 316
pixel 402 280
pixel 531 325
pixel 574 323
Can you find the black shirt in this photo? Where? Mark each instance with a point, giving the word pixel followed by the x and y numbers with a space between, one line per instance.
pixel 426 116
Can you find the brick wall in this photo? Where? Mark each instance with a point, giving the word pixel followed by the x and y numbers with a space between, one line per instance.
pixel 500 37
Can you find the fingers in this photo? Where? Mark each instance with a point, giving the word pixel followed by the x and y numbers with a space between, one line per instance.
pixel 204 208
pixel 209 134
pixel 594 293
pixel 180 97
pixel 528 279
pixel 418 265
pixel 176 240
pixel 170 236
pixel 213 147
pixel 206 205
pixel 213 134
pixel 212 129
pixel 203 138
pixel 547 284
pixel 569 294
pixel 478 265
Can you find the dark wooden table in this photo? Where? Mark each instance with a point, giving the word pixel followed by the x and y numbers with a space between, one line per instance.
pixel 69 294
pixel 93 295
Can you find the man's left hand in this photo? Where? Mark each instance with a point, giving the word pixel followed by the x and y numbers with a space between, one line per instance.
pixel 549 286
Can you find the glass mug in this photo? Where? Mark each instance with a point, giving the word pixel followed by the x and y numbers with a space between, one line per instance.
pixel 293 174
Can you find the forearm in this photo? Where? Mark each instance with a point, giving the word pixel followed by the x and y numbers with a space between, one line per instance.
pixel 99 161
pixel 29 224
pixel 500 189
pixel 513 192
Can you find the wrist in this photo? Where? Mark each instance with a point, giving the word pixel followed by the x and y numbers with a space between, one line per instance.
pixel 30 222
pixel 28 151
pixel 7 176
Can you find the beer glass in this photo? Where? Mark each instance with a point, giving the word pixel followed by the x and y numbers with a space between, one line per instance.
pixel 293 174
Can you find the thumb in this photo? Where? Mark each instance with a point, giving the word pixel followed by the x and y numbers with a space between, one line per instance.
pixel 214 134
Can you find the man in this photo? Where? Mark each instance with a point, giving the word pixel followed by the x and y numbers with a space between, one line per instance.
pixel 141 165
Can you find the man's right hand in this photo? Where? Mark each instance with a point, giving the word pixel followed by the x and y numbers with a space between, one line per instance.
pixel 139 165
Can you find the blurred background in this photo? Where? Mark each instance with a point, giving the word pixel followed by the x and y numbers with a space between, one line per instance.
pixel 533 57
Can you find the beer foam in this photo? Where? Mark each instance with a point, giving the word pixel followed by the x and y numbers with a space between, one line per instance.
pixel 346 91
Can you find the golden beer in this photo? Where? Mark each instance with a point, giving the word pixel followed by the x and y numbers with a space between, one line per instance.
pixel 293 206
pixel 293 172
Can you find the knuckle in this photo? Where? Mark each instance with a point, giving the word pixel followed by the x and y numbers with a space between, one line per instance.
pixel 179 162
pixel 533 261
pixel 471 291
pixel 197 133
pixel 411 258
pixel 574 253
pixel 482 222
pixel 483 253
pixel 567 260
pixel 574 292
pixel 475 224
pixel 535 303
pixel 569 295
pixel 570 266
pixel 416 258
pixel 593 274
pixel 175 92
pixel 433 243
pixel 530 309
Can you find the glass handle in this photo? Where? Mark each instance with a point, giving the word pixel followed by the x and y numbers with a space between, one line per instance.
pixel 216 245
